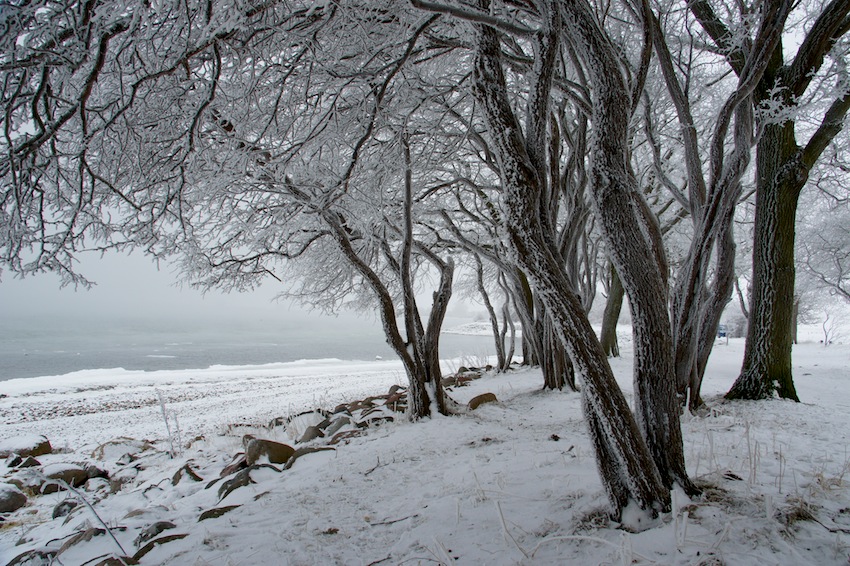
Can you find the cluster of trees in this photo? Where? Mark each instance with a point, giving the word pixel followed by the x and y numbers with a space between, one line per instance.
pixel 360 150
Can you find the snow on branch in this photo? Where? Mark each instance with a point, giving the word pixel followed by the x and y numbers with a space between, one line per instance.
pixel 473 16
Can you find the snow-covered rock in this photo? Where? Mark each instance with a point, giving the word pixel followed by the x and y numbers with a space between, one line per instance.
pixel 11 498
pixel 25 445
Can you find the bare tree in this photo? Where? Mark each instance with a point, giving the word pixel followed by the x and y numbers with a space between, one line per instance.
pixel 782 170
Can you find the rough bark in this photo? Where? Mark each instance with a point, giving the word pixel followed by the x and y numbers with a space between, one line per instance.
pixel 627 469
pixel 633 242
pixel 782 169
pixel 767 355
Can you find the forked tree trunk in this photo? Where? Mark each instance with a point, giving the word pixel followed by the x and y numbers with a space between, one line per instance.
pixel 634 243
pixel 610 316
pixel 627 469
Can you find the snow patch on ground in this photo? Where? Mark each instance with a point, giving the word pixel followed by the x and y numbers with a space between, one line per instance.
pixel 513 482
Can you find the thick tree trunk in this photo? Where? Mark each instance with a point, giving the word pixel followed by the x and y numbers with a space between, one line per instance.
pixel 766 369
pixel 610 316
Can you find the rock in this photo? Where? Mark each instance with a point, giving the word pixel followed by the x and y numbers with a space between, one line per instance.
pixel 303 452
pixel 26 445
pixel 11 498
pixel 241 479
pixel 63 508
pixel 276 452
pixel 311 433
pixel 71 474
pixel 238 463
pixel 479 400
pixel 120 447
pixel 81 536
pixel 29 462
pixel 397 402
pixel 298 424
pixel 34 557
pixel 150 546
pixel 153 530
pixel 93 471
pixel 394 389
pixel 337 424
pixel 118 561
pixel 186 471
pixel 345 435
pixel 216 512
pixel 13 461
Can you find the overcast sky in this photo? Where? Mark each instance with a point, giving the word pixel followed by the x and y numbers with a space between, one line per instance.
pixel 132 286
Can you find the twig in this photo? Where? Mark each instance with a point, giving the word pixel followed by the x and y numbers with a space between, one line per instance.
pixel 587 538
pixel 373 468
pixel 507 533
pixel 78 495
pixel 395 520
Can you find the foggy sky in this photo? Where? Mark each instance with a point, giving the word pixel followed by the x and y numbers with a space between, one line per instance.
pixel 132 286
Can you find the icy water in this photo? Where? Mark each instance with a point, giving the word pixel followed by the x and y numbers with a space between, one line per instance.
pixel 31 347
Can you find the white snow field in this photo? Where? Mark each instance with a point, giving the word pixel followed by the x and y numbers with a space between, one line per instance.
pixel 513 482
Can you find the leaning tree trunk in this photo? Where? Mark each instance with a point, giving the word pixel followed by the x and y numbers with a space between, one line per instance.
pixel 610 316
pixel 634 243
pixel 721 294
pixel 766 369
pixel 627 469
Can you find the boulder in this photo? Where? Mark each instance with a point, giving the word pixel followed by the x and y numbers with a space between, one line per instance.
pixel 216 512
pixel 276 452
pixel 153 530
pixel 237 464
pixel 71 474
pixel 25 445
pixel 311 433
pixel 11 498
pixel 120 447
pixel 479 400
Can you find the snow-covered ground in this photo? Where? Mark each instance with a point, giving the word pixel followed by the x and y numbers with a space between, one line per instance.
pixel 512 482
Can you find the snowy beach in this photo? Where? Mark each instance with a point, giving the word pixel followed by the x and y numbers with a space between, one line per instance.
pixel 513 482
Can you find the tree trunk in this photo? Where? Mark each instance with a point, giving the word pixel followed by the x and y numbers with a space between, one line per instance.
pixel 613 306
pixel 634 244
pixel 498 334
pixel 766 369
pixel 558 371
pixel 795 313
pixel 627 469
pixel 721 294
